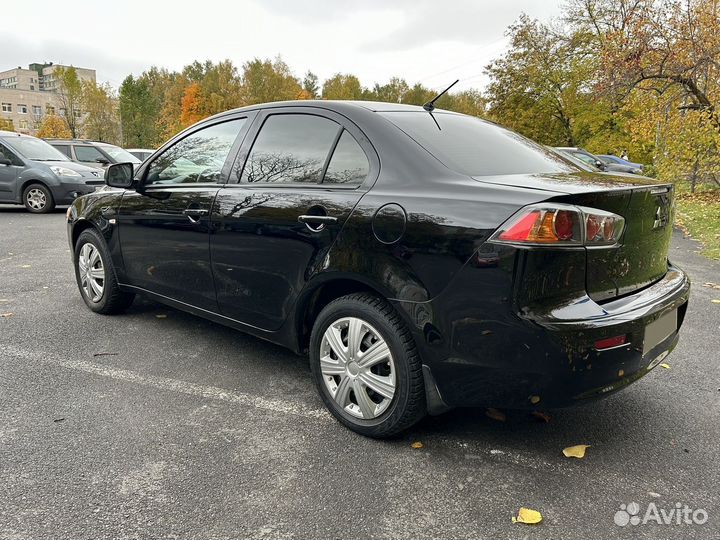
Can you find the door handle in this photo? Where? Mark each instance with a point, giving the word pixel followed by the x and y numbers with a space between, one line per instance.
pixel 321 220
pixel 195 212
pixel 316 223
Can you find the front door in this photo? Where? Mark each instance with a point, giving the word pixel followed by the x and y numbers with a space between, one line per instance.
pixel 165 224
pixel 303 176
pixel 90 156
pixel 9 174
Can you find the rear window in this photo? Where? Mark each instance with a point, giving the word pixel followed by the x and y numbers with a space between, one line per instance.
pixel 290 148
pixel 477 148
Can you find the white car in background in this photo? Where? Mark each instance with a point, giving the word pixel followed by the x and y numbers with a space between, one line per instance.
pixel 141 153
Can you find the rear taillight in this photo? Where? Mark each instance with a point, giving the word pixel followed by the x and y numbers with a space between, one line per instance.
pixel 561 225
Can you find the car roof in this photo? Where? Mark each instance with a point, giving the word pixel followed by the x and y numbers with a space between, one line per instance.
pixel 77 141
pixel 4 133
pixel 333 105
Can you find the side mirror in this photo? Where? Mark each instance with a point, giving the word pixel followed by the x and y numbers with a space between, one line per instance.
pixel 5 161
pixel 119 175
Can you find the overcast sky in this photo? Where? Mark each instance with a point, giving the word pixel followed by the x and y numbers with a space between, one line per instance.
pixel 427 41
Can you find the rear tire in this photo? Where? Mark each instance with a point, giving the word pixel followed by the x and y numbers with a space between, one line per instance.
pixel 95 275
pixel 38 199
pixel 366 366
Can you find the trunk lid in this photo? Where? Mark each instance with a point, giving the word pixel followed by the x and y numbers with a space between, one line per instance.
pixel 647 206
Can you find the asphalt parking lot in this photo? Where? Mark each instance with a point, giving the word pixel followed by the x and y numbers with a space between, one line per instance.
pixel 160 424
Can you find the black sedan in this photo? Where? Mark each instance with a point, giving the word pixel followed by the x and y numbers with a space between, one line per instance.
pixel 423 259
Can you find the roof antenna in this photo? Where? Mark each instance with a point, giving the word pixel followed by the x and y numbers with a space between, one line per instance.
pixel 430 105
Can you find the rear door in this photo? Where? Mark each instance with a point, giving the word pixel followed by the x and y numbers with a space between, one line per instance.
pixel 294 185
pixel 165 224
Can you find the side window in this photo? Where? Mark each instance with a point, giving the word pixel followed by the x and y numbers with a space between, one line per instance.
pixel 8 154
pixel 584 157
pixel 199 157
pixel 349 165
pixel 88 154
pixel 290 148
pixel 64 148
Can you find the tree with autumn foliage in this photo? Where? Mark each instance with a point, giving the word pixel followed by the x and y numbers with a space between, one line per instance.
pixel 100 106
pixel 264 81
pixel 54 127
pixel 191 110
pixel 70 95
pixel 660 61
pixel 539 87
pixel 342 86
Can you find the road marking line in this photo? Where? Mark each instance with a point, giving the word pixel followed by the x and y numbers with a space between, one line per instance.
pixel 171 385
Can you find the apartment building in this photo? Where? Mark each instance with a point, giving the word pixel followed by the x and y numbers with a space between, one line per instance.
pixel 27 95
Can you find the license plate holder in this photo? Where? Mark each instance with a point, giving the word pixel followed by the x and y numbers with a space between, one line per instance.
pixel 659 330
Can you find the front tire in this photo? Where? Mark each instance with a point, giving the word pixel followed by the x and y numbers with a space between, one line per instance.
pixel 95 275
pixel 366 366
pixel 38 199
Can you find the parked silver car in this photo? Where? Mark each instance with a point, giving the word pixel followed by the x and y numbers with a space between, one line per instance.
pixel 600 162
pixel 93 153
pixel 141 153
pixel 33 173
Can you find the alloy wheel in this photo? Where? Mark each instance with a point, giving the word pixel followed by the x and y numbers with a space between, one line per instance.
pixel 357 368
pixel 92 272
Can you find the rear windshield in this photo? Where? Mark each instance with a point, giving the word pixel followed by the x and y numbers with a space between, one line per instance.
pixel 477 148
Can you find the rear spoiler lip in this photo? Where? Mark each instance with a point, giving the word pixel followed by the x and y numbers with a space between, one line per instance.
pixel 576 184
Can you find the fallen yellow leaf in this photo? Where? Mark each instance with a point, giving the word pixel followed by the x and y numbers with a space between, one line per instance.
pixel 665 366
pixel 715 301
pixel 534 399
pixel 527 516
pixel 161 316
pixel 25 266
pixel 495 414
pixel 6 315
pixel 577 451
pixel 416 444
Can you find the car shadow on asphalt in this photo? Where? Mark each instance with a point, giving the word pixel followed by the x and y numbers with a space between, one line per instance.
pixel 610 422
pixel 19 209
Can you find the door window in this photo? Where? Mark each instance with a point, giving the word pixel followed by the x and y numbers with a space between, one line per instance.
pixel 199 157
pixel 290 148
pixel 64 148
pixel 88 154
pixel 349 165
pixel 7 154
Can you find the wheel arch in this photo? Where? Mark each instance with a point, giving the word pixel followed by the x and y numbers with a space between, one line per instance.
pixel 78 228
pixel 26 183
pixel 320 294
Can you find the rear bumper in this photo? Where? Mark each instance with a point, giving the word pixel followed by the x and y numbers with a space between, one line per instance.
pixel 547 360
